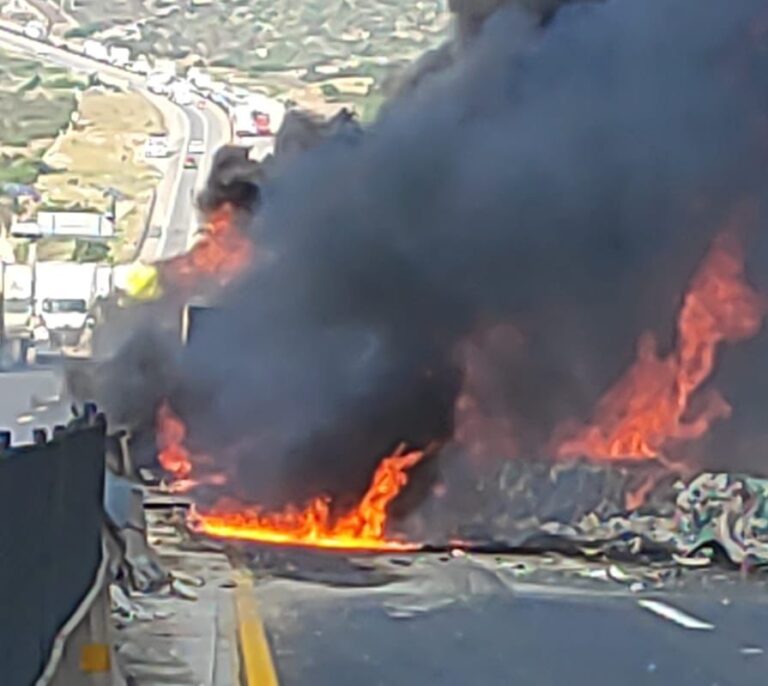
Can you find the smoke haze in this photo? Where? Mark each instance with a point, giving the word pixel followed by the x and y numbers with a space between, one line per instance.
pixel 561 180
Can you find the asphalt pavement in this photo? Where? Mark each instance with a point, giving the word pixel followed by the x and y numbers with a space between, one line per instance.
pixel 455 623
pixel 209 126
pixel 31 399
pixel 183 220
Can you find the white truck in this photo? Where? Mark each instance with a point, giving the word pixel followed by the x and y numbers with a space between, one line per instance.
pixel 96 50
pixel 180 92
pixel 35 30
pixel 165 66
pixel 119 55
pixel 140 65
pixel 256 115
pixel 202 80
pixel 64 294
pixel 73 223
pixel 158 82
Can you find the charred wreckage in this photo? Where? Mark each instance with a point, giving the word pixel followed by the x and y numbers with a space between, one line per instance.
pixel 524 308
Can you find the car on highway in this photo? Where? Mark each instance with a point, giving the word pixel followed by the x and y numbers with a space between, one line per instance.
pixel 190 162
pixel 196 146
pixel 202 104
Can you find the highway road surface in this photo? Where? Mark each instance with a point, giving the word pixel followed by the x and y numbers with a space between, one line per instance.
pixel 31 399
pixel 455 623
pixel 209 126
pixel 182 218
pixel 36 397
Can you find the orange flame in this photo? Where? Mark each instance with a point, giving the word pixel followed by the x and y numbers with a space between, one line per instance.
pixel 222 252
pixel 363 527
pixel 170 434
pixel 649 406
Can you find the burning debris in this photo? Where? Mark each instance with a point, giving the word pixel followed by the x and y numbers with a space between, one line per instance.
pixel 316 524
pixel 363 527
pixel 476 272
pixel 221 253
pixel 171 452
pixel 346 341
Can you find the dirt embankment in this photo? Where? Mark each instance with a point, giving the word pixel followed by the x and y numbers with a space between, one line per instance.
pixel 99 156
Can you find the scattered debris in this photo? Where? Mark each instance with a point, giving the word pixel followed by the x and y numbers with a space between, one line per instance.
pixel 618 574
pixel 187 579
pixel 183 590
pixel 408 610
pixel 716 516
pixel 125 608
pixel 694 561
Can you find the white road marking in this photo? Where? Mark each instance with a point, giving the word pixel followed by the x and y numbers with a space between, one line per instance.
pixel 25 418
pixel 751 650
pixel 674 615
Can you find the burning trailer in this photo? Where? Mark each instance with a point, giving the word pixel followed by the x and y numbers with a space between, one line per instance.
pixel 527 303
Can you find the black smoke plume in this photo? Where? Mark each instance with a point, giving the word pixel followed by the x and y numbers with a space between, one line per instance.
pixel 564 176
pixel 234 179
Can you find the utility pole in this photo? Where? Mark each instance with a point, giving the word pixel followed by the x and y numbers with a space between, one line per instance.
pixel 32 259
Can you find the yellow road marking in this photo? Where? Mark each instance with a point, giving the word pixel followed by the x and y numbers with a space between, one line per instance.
pixel 258 667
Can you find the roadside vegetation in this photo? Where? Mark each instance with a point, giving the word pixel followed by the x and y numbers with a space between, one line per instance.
pixel 36 104
pixel 76 145
pixel 284 47
pixel 100 156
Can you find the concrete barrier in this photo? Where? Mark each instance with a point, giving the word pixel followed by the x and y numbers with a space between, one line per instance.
pixel 51 544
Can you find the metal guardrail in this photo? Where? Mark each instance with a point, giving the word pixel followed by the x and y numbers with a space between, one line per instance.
pixel 51 504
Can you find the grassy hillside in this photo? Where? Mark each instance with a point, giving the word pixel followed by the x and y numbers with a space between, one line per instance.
pixel 308 41
pixel 36 103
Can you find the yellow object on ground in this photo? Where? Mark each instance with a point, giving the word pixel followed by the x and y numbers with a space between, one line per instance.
pixel 141 281
pixel 94 658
